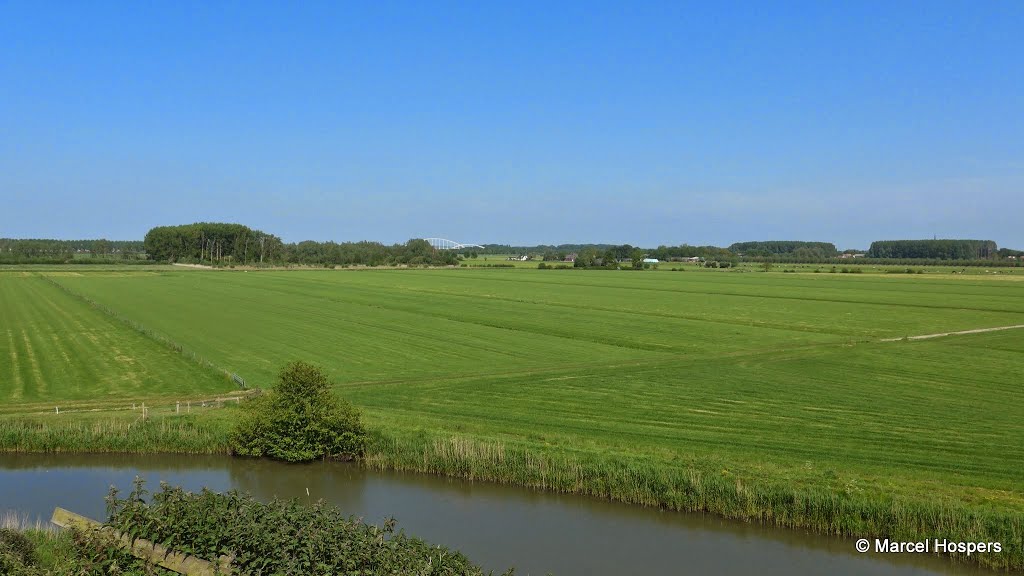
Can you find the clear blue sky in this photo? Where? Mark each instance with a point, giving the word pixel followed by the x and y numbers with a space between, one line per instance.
pixel 518 122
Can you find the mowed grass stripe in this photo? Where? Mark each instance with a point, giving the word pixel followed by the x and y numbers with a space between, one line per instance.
pixel 61 349
pixel 17 383
pixel 38 381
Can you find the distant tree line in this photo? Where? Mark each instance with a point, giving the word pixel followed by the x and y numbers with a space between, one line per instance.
pixel 45 251
pixel 415 252
pixel 936 249
pixel 231 244
pixel 540 248
pixel 686 251
pixel 236 244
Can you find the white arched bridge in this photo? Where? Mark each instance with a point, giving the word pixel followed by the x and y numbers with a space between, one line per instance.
pixel 446 244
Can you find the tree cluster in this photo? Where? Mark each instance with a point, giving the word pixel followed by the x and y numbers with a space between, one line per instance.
pixel 936 249
pixel 212 242
pixel 218 243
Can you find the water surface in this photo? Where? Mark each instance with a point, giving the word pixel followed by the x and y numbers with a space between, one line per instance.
pixel 496 526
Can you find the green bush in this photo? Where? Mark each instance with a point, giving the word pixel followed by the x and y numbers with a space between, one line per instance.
pixel 301 419
pixel 277 537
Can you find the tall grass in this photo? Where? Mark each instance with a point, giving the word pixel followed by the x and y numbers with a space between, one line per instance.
pixel 14 520
pixel 181 434
pixel 702 489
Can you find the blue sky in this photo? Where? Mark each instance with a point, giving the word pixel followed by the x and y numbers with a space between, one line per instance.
pixel 518 122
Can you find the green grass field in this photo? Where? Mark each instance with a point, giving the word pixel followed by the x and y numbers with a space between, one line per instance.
pixel 777 379
pixel 56 348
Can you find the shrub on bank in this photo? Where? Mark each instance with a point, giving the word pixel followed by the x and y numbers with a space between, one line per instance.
pixel 301 419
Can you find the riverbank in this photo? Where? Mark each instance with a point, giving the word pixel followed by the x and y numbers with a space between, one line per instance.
pixel 771 499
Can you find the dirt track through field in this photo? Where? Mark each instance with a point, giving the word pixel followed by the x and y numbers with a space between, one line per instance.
pixel 941 334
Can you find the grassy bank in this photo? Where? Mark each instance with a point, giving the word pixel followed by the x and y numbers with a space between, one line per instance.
pixel 706 488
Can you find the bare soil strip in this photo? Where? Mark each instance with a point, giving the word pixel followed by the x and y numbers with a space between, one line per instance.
pixel 203 266
pixel 975 331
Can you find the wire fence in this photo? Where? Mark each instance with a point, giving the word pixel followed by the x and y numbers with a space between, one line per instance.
pixel 146 408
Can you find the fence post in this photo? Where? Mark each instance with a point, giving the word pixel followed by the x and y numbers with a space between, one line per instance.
pixel 177 407
pixel 57 408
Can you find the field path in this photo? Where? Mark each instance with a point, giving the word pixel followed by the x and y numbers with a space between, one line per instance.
pixel 941 334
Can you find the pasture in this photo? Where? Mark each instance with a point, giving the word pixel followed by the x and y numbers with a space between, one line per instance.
pixel 760 377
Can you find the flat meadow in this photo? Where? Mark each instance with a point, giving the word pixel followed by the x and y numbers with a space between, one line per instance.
pixel 749 379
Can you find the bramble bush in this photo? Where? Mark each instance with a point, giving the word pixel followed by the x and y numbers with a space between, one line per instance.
pixel 277 537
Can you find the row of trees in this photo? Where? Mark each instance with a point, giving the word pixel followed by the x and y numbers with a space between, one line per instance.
pixel 938 249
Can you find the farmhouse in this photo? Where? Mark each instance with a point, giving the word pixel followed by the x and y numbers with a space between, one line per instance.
pixel 651 260
pixel 570 258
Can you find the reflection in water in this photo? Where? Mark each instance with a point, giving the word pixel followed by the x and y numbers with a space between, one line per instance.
pixel 497 526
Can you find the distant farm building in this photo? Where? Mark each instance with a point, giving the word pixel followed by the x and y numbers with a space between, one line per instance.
pixel 570 258
pixel 651 260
